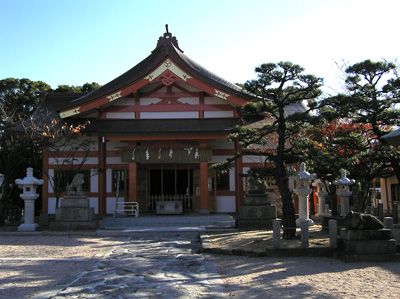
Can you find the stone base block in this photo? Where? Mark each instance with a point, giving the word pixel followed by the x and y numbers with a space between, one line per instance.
pixel 367 247
pixel 24 227
pixel 256 200
pixel 257 212
pixel 367 234
pixel 74 214
pixel 68 225
pixel 325 222
pixel 75 201
pixel 246 223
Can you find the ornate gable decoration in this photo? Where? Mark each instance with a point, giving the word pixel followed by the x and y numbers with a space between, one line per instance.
pixel 167 73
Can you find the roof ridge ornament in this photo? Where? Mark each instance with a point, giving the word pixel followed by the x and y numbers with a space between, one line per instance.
pixel 167 40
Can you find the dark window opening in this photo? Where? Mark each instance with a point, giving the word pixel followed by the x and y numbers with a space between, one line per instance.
pixel 170 181
pixel 223 181
pixel 120 180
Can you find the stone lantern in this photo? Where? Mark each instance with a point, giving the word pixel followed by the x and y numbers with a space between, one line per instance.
pixel 302 190
pixel 344 192
pixel 322 194
pixel 28 185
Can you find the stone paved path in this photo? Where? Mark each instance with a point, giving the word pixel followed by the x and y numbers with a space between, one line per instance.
pixel 151 265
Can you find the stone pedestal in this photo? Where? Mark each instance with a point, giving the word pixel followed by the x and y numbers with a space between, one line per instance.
pixel 344 202
pixel 304 213
pixel 370 245
pixel 29 215
pixel 256 212
pixel 74 214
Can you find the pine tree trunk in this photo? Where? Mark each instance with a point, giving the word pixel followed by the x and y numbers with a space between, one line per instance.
pixel 289 216
pixel 332 194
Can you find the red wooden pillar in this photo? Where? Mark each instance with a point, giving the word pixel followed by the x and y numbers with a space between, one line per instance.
pixel 132 181
pixel 45 186
pixel 102 176
pixel 239 193
pixel 203 187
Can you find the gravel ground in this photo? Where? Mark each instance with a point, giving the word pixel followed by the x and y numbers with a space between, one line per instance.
pixel 32 263
pixel 26 266
pixel 246 277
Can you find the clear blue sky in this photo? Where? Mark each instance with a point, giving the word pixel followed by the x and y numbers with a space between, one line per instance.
pixel 78 41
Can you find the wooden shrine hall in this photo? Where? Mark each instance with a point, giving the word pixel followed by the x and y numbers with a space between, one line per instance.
pixel 156 130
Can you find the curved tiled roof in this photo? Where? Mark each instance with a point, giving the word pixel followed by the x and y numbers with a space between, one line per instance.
pixel 167 46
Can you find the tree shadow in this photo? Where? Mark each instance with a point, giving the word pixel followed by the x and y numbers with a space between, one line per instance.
pixel 301 277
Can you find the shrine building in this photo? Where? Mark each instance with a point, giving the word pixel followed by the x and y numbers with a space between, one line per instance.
pixel 156 130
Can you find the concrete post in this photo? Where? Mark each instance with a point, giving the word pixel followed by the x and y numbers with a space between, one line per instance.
pixel 304 233
pixel 380 211
pixel 276 225
pixel 388 222
pixel 333 233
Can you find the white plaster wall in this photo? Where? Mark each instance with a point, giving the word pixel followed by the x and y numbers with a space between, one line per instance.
pixel 113 145
pixel 110 205
pixel 50 179
pixel 94 183
pixel 148 101
pixel 93 146
pixel 217 114
pixel 226 204
pixel 186 86
pixel 124 102
pixel 94 203
pixel 113 160
pixel 232 179
pixel 168 115
pixel 214 101
pixel 89 161
pixel 108 180
pixel 120 115
pixel 191 101
pixel 51 205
